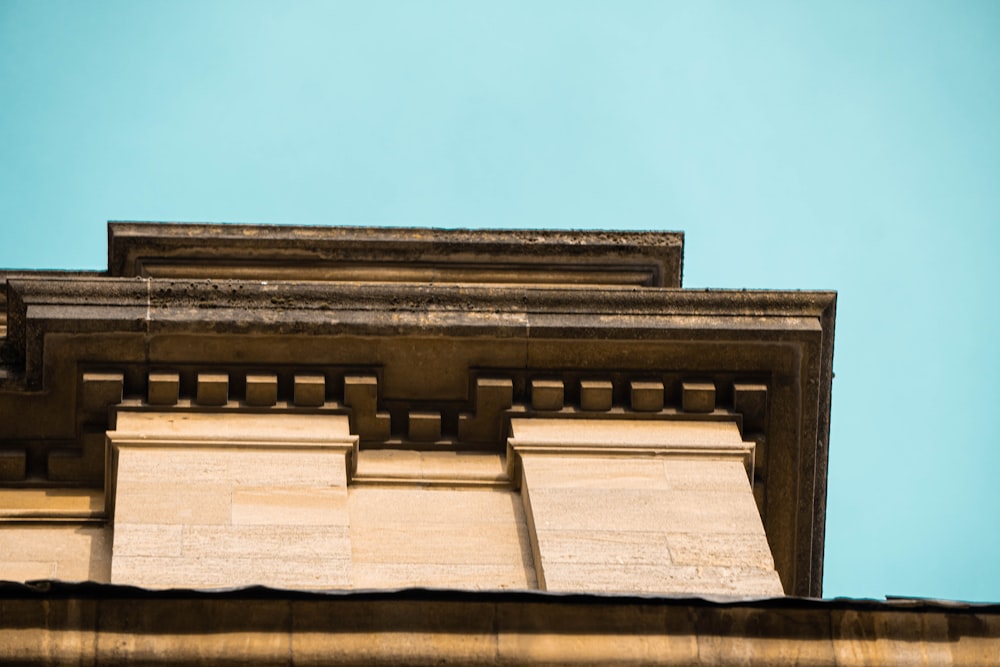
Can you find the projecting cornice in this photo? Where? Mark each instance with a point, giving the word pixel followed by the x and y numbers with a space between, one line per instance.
pixel 271 252
pixel 158 306
pixel 425 339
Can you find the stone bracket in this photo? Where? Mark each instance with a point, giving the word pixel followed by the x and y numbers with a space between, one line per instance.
pixel 493 397
pixel 496 396
pixel 361 394
pixel 98 393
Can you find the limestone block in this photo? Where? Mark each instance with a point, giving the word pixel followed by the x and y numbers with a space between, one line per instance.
pixel 68 503
pixel 147 539
pixel 289 506
pixel 309 390
pixel 164 388
pixel 547 394
pixel 317 573
pixel 213 389
pixel 750 400
pixel 206 499
pixel 361 394
pixel 262 389
pixel 233 466
pixel 15 570
pixel 645 510
pixel 414 465
pixel 295 542
pixel 92 563
pixel 664 579
pixel 603 546
pixel 605 522
pixel 407 536
pixel 488 543
pixel 227 572
pixel 594 472
pixel 698 396
pixel 12 465
pixel 154 556
pixel 464 577
pixel 462 466
pixel 493 396
pixel 389 463
pixel 101 390
pixel 424 426
pixel 85 464
pixel 723 550
pixel 714 512
pixel 226 428
pixel 177 503
pixel 70 552
pixel 596 395
pixel 625 433
pixel 646 396
pixel 592 509
pixel 706 474
pixel 377 505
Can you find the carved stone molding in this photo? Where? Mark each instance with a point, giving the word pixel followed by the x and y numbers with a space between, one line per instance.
pixel 477 423
pixel 403 331
pixel 265 252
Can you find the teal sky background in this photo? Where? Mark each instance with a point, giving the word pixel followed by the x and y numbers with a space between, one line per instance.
pixel 849 145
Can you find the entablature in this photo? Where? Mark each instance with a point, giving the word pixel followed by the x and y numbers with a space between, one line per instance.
pixel 438 365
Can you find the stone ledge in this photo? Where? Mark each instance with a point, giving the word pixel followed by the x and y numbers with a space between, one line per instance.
pixel 113 625
pixel 269 252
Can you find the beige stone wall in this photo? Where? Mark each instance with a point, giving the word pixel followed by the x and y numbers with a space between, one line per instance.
pixel 642 507
pixel 251 530
pixel 204 501
pixel 54 534
pixel 292 537
pixel 230 517
pixel 647 525
pixel 437 519
pixel 69 552
pixel 466 538
pixel 287 501
pixel 219 503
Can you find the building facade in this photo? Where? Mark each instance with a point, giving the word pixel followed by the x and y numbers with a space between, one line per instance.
pixel 426 445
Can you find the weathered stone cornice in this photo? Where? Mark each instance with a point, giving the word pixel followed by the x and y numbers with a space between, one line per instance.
pixel 418 364
pixel 395 254
pixel 37 307
pixel 295 296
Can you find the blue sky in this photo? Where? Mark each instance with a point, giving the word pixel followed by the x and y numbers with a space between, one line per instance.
pixel 852 146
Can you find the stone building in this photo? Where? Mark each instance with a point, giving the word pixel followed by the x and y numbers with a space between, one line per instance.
pixel 347 445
